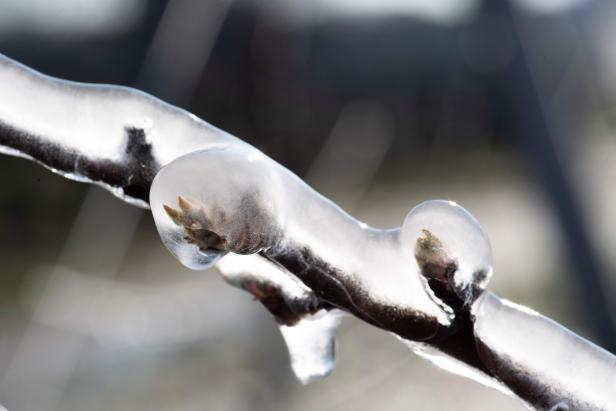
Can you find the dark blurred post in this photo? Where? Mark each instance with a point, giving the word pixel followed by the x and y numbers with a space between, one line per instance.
pixel 538 142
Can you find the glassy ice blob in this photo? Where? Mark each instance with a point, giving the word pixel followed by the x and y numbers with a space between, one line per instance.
pixel 309 335
pixel 312 344
pixel 450 247
pixel 210 202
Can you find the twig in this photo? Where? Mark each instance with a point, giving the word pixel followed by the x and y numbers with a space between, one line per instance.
pixel 411 285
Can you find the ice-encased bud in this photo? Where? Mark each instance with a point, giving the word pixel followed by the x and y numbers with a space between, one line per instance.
pixel 210 202
pixel 449 246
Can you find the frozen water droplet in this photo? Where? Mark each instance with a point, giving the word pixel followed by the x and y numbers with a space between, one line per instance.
pixel 449 242
pixel 180 216
pixel 209 202
pixel 311 340
pixel 312 344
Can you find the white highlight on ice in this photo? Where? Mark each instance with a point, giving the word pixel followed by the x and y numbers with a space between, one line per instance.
pixel 546 352
pixel 91 119
pixel 461 235
pixel 312 345
pixel 310 342
pixel 256 194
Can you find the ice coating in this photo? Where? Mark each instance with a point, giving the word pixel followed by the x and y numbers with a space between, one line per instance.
pixel 551 367
pixel 455 366
pixel 450 246
pixel 186 230
pixel 113 136
pixel 251 204
pixel 385 277
pixel 283 294
pixel 312 344
pixel 307 327
pixel 119 138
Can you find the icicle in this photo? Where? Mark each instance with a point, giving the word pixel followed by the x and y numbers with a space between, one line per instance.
pixel 309 332
pixel 312 344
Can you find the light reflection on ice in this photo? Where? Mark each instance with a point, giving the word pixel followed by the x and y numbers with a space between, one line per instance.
pixel 312 344
pixel 90 122
pixel 460 236
pixel 261 207
pixel 220 192
pixel 524 348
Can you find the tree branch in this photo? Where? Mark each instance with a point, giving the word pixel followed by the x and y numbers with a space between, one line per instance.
pixel 305 258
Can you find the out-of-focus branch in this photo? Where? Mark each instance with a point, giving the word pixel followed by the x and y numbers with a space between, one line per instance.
pixel 411 282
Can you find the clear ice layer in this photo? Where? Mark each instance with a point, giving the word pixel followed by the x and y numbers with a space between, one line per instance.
pixel 527 350
pixel 84 123
pixel 75 128
pixel 452 234
pixel 311 338
pixel 312 344
pixel 439 256
pixel 454 365
pixel 248 203
pixel 120 138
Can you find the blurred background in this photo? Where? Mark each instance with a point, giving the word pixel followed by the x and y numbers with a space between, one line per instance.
pixel 507 107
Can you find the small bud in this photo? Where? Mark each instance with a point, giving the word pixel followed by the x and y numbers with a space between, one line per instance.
pixel 184 204
pixel 432 258
pixel 172 213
